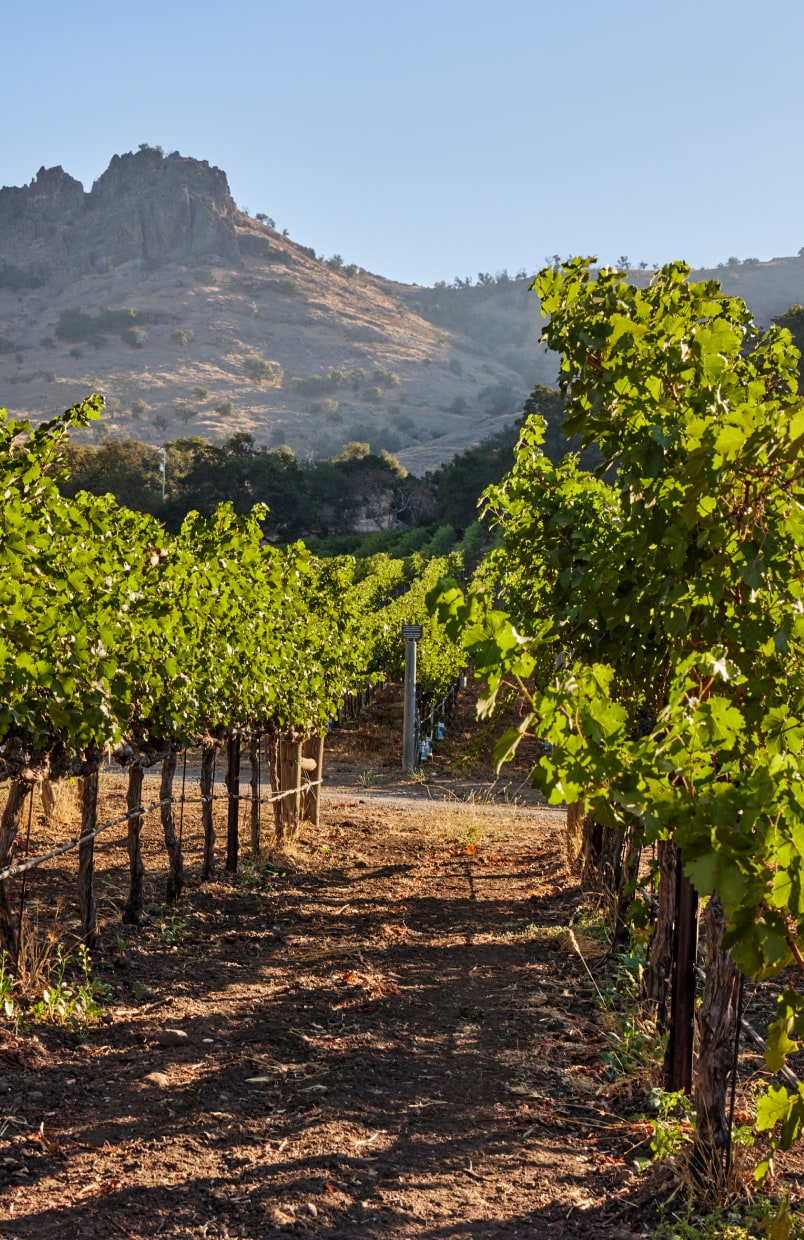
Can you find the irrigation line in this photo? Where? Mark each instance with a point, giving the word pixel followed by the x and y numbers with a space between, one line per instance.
pixel 24 866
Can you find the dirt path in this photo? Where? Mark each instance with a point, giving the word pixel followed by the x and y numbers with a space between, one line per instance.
pixel 387 1037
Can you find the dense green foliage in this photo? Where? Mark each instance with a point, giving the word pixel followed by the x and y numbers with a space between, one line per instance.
pixel 331 501
pixel 322 499
pixel 114 631
pixel 674 598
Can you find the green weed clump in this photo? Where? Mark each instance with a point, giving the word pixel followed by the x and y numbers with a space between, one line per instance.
pixel 61 989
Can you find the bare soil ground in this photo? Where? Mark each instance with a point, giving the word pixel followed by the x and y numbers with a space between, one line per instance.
pixel 385 1034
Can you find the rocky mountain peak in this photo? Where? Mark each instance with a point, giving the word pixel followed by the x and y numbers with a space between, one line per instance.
pixel 145 207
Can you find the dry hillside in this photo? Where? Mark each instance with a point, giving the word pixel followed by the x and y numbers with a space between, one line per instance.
pixel 195 319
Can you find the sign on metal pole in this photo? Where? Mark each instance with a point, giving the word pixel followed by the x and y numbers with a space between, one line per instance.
pixel 411 633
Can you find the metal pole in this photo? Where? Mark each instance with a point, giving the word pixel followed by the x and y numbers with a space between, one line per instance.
pixel 409 755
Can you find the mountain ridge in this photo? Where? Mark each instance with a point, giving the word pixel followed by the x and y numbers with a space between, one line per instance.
pixel 192 317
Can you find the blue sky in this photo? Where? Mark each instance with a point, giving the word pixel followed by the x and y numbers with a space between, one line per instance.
pixel 429 140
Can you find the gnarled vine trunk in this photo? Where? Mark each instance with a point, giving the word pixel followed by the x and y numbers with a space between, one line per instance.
pixel 207 809
pixel 132 913
pixel 86 858
pixel 254 760
pixel 656 981
pixel 717 1029
pixel 19 792
pixel 176 878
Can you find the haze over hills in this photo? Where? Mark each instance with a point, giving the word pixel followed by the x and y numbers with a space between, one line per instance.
pixel 193 318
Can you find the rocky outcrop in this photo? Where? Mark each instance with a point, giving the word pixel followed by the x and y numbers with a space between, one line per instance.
pixel 146 207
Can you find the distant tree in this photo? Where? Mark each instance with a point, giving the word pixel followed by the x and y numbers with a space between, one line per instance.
pixel 373 394
pixel 336 262
pixel 225 408
pixel 135 336
pixel 200 393
pixel 259 370
pixel 353 451
pixel 181 336
pixel 623 262
pixel 265 219
pixel 499 398
pixel 458 405
pixel 123 468
pixel 139 407
pixel 733 261
pixel 161 422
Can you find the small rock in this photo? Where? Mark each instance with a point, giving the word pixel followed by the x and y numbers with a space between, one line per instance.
pixel 281 1218
pixel 160 1079
pixel 172 1037
pixel 313 1208
pixel 35 1095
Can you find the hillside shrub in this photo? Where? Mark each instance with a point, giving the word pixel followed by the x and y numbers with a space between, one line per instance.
pixel 135 336
pixel 260 371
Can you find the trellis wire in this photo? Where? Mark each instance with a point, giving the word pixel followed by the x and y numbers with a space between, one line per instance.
pixel 24 866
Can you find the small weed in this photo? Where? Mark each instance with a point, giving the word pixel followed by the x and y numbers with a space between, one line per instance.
pixel 367 778
pixel 636 1045
pixel 593 923
pixel 672 1125
pixel 73 997
pixel 762 1216
pixel 8 988
pixel 254 874
pixel 171 928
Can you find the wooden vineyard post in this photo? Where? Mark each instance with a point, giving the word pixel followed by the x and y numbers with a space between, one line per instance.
pixel 86 859
pixel 254 759
pixel 678 1060
pixel 233 815
pixel 132 913
pixel 176 880
pixel 573 839
pixel 18 794
pixel 207 809
pixel 290 752
pixel 313 751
